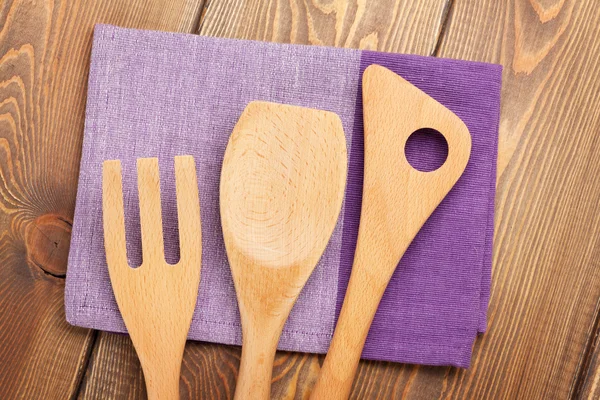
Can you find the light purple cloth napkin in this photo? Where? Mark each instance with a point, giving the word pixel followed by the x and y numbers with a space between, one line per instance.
pixel 163 94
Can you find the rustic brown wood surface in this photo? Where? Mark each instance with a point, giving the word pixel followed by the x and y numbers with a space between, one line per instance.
pixel 545 306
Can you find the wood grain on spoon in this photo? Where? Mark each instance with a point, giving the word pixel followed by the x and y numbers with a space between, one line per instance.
pixel 156 300
pixel 282 186
pixel 397 200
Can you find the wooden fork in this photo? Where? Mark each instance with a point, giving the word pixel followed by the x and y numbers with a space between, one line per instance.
pixel 156 300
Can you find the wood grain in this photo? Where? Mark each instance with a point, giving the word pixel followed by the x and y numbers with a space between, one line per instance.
pixel 156 300
pixel 114 370
pixel 589 379
pixel 44 55
pixel 282 186
pixel 408 26
pixel 546 282
pixel 391 215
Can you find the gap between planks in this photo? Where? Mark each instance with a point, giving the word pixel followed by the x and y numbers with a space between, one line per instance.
pixel 86 363
pixel 446 15
pixel 587 357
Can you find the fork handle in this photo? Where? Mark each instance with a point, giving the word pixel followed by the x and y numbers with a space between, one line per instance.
pixel 162 377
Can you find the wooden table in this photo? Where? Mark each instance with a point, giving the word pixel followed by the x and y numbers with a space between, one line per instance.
pixel 545 307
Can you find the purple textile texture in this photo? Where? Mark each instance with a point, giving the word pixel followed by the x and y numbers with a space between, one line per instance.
pixel 163 94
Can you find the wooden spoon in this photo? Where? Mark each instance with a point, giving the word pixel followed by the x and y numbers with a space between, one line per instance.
pixel 282 186
pixel 156 300
pixel 397 200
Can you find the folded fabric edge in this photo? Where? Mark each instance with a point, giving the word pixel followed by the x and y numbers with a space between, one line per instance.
pixel 72 297
pixel 455 355
pixel 112 28
pixel 486 276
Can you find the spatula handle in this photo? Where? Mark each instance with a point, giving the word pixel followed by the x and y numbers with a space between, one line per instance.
pixel 358 310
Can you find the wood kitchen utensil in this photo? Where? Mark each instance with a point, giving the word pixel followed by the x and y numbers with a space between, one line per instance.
pixel 397 200
pixel 156 300
pixel 282 186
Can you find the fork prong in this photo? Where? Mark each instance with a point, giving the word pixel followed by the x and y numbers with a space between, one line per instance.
pixel 188 211
pixel 113 215
pixel 150 212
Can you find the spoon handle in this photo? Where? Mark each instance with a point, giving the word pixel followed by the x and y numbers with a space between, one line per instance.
pixel 256 365
pixel 364 292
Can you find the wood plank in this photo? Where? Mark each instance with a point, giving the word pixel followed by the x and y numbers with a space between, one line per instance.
pixel 406 26
pixel 44 56
pixel 114 370
pixel 546 283
pixel 210 370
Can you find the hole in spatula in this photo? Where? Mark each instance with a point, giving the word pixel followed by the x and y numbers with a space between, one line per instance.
pixel 426 149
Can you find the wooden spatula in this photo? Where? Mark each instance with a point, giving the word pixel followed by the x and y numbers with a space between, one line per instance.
pixel 282 186
pixel 156 300
pixel 397 200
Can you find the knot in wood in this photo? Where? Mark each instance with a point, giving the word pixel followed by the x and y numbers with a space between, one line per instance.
pixel 47 243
